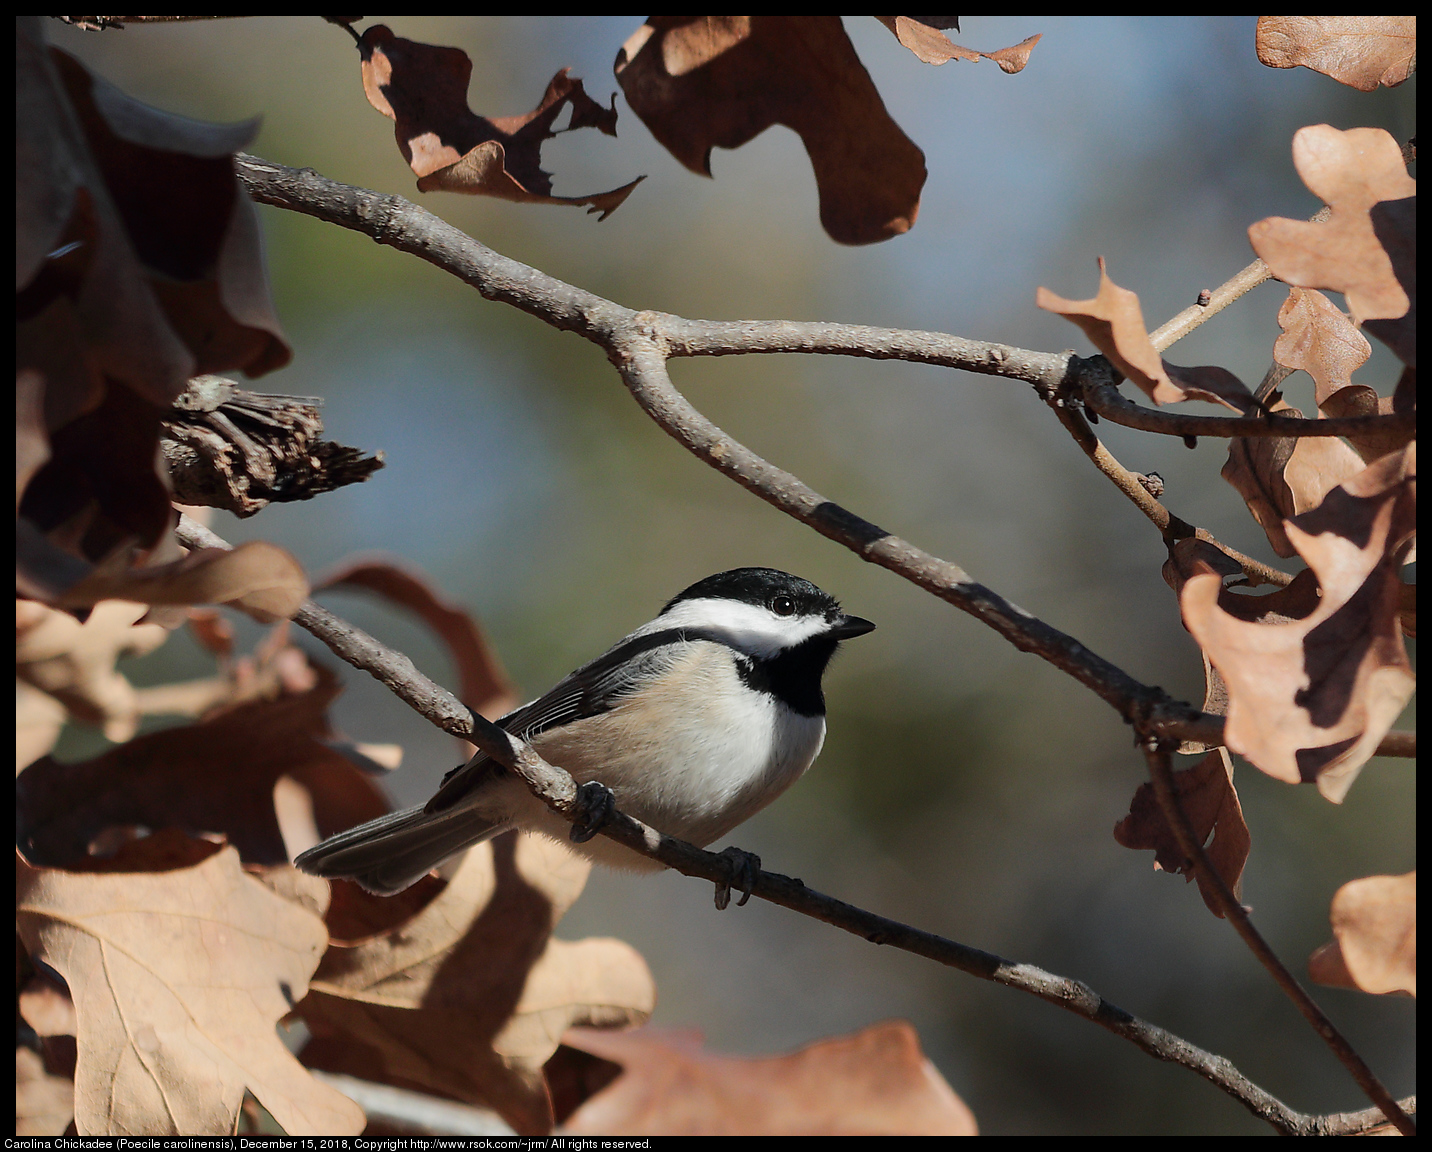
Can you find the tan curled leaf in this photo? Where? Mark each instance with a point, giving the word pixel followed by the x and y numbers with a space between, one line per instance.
pixel 1359 51
pixel 702 82
pixel 484 686
pixel 470 996
pixel 1375 924
pixel 932 46
pixel 1350 172
pixel 1311 698
pixel 1210 802
pixel 1283 476
pixel 1114 322
pixel 178 980
pixel 217 776
pixel 258 578
pixel 876 1082
pixel 423 89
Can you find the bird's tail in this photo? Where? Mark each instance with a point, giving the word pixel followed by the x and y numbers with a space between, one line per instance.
pixel 388 854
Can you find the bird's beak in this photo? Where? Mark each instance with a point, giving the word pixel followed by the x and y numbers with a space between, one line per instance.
pixel 850 626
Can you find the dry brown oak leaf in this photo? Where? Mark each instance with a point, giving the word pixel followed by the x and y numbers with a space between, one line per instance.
pixel 470 997
pixel 1375 923
pixel 423 89
pixel 179 979
pixel 1359 51
pixel 1114 322
pixel 876 1082
pixel 1209 800
pixel 932 46
pixel 1351 172
pixel 701 82
pixel 1311 698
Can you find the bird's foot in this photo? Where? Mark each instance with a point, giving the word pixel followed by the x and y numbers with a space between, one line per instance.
pixel 743 870
pixel 595 804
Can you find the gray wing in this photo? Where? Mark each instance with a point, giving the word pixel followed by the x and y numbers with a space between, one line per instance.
pixel 592 689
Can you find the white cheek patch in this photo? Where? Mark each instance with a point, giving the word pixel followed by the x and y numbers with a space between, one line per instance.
pixel 749 628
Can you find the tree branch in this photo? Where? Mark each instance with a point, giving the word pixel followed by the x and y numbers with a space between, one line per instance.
pixel 1112 405
pixel 638 343
pixel 557 789
pixel 1161 771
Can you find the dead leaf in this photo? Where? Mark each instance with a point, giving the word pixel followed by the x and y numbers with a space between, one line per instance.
pixel 1375 922
pixel 471 996
pixel 1114 322
pixel 701 82
pixel 483 684
pixel 1284 476
pixel 876 1082
pixel 44 1103
pixel 1210 802
pixel 1350 172
pixel 423 89
pixel 1310 699
pixel 1359 51
pixel 260 579
pixel 932 46
pixel 217 776
pixel 1320 340
pixel 178 980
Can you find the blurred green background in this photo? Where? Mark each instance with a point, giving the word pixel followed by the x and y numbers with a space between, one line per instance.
pixel 965 788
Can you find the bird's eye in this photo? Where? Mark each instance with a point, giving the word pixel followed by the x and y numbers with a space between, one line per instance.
pixel 783 606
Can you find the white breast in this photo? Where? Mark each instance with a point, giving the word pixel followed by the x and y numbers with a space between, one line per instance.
pixel 693 756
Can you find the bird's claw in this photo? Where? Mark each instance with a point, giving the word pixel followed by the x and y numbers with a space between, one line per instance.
pixel 743 870
pixel 595 803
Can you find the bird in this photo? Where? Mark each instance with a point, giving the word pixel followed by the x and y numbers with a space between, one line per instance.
pixel 694 722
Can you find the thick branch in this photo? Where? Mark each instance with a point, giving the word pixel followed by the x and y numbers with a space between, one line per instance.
pixel 1161 770
pixel 556 789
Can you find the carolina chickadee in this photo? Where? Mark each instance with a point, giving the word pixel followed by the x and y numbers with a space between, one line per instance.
pixel 695 721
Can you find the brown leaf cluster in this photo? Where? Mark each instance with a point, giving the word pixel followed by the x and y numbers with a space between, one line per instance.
pixel 469 997
pixel 876 1082
pixel 178 979
pixel 702 82
pixel 1362 52
pixel 423 89
pixel 1317 672
pixel 137 266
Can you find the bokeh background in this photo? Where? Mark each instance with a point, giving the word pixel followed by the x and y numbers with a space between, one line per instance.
pixel 965 788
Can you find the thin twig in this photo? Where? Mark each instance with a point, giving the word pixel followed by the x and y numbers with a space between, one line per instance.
pixel 1112 405
pixel 555 788
pixel 1195 314
pixel 1209 878
pixel 1237 285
